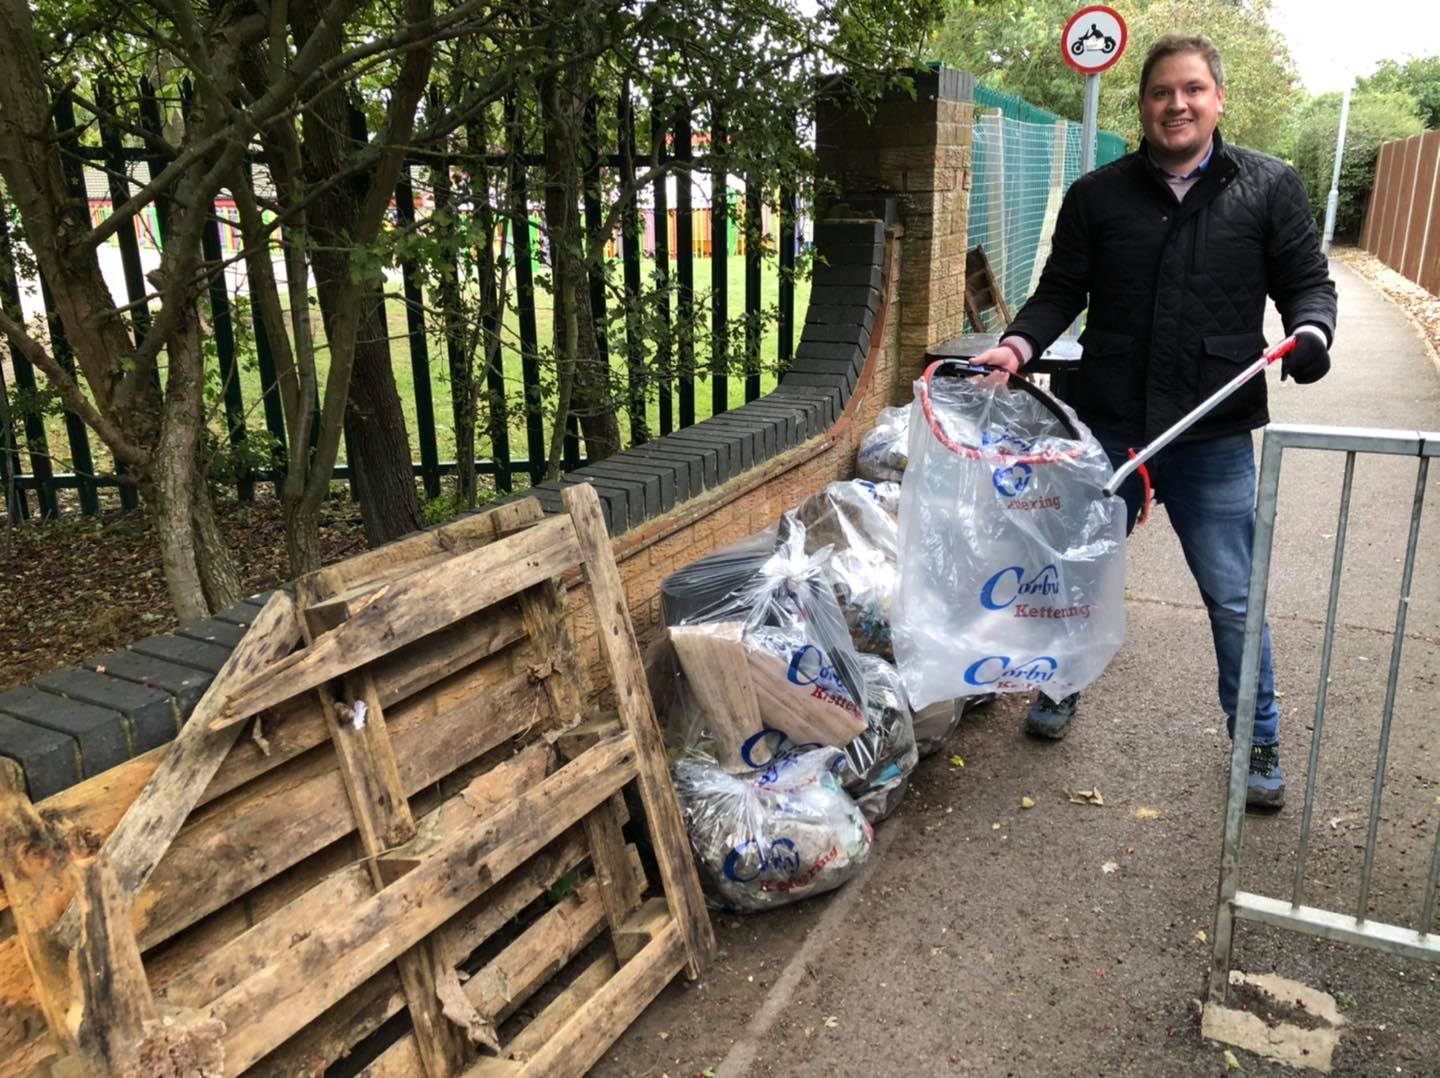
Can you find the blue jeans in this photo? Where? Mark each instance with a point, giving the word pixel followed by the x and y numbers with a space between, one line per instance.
pixel 1208 488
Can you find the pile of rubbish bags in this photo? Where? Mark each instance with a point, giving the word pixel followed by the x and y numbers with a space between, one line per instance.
pixel 792 729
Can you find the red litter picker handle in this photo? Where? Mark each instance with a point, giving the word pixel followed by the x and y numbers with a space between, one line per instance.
pixel 1199 412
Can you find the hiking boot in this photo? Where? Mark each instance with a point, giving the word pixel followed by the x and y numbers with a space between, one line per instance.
pixel 1050 719
pixel 1265 785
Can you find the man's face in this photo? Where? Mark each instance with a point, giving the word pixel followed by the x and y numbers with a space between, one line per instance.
pixel 1179 107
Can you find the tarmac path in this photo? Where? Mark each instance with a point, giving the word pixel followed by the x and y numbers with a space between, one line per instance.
pixel 1066 939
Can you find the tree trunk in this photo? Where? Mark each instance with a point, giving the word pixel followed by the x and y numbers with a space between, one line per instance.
pixel 378 440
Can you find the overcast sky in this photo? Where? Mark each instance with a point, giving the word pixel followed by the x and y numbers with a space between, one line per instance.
pixel 1335 40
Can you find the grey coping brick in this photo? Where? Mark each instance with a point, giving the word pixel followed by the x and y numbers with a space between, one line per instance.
pixel 103 735
pixel 760 425
pixel 851 254
pixel 812 410
pixel 828 233
pixel 689 463
pixel 740 439
pixel 548 495
pixel 614 501
pixel 830 387
pixel 848 351
pixel 868 276
pixel 795 421
pixel 657 480
pixel 185 683
pixel 717 453
pixel 184 652
pixel 817 400
pixel 214 631
pixel 241 613
pixel 832 315
pixel 626 496
pixel 151 711
pixel 857 297
pixel 49 760
pixel 835 333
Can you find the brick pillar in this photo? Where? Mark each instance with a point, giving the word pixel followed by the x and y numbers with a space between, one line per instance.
pixel 916 148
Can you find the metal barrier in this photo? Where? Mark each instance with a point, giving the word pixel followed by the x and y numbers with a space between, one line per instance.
pixel 1294 914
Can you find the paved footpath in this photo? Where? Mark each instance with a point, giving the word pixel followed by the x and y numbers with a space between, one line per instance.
pixel 1066 939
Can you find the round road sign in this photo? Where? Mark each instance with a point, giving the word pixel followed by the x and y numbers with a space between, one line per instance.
pixel 1094 39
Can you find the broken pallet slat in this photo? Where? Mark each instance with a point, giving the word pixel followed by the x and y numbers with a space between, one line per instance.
pixel 382 813
pixel 637 713
pixel 154 818
pixel 267 1008
pixel 600 1020
pixel 560 1009
pixel 412 607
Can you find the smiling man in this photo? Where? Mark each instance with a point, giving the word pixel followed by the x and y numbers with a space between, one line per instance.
pixel 1174 249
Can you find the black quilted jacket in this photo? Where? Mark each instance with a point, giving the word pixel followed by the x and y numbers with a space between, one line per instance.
pixel 1176 291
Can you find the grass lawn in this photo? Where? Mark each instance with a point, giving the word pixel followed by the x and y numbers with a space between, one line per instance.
pixel 440 381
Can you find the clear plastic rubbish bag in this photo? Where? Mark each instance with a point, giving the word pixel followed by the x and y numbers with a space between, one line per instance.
pixel 859 521
pixel 772 652
pixel 775 835
pixel 882 455
pixel 1012 562
pixel 878 763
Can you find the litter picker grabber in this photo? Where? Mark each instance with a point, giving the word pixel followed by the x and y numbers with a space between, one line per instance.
pixel 1204 408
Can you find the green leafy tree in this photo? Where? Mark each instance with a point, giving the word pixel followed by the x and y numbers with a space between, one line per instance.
pixel 1419 77
pixel 1016 48
pixel 1375 118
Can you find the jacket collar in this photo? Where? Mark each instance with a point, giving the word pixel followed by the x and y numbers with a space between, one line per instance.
pixel 1217 175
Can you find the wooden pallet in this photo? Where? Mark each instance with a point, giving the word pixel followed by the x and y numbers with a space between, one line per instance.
pixel 424 818
pixel 982 290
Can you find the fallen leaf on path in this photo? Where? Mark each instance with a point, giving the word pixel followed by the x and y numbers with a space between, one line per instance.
pixel 1201 936
pixel 957 760
pixel 1232 1062
pixel 1086 797
pixel 1146 813
pixel 1109 867
pixel 832 1021
pixel 995 826
pixel 1027 802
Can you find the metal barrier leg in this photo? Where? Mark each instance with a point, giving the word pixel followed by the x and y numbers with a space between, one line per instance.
pixel 1269 485
pixel 1396 649
pixel 1342 528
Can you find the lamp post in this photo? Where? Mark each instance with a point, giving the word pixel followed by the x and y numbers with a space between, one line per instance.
pixel 1333 202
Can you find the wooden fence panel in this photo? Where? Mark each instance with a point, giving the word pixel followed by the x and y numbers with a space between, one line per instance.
pixel 1375 204
pixel 1422 203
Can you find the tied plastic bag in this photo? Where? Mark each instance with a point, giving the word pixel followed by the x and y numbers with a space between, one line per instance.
pixel 772 836
pixel 882 455
pixel 859 521
pixel 772 653
pixel 1012 562
pixel 878 763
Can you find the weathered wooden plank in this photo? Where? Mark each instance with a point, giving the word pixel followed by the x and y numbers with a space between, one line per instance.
pixel 643 926
pixel 155 817
pixel 637 712
pixel 36 866
pixel 217 973
pixel 597 1024
pixel 412 607
pixel 368 1007
pixel 515 974
pixel 560 1009
pixel 89 811
pixel 110 996
pixel 267 1008
pixel 287 816
pixel 417 551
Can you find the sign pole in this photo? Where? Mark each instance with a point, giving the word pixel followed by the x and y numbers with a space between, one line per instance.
pixel 1090 123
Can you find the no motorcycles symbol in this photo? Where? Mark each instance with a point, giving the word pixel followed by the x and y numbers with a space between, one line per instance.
pixel 1094 39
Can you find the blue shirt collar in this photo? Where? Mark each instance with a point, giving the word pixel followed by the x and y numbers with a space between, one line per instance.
pixel 1194 173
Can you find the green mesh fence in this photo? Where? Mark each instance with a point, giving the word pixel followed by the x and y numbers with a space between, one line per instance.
pixel 1022 162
